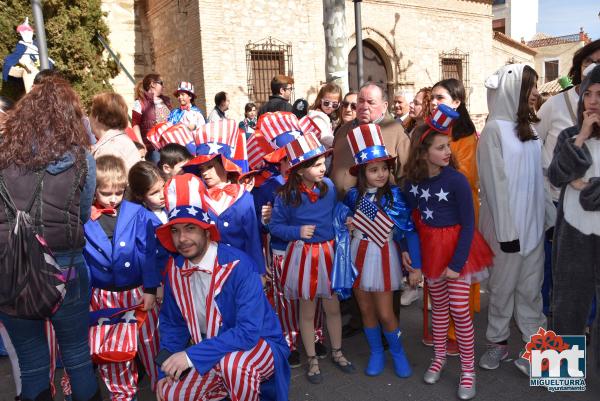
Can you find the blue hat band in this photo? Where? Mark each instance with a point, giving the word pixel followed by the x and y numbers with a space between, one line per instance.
pixel 209 149
pixel 308 155
pixel 190 212
pixel 370 153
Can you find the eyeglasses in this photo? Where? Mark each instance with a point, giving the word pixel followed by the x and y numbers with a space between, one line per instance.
pixel 159 82
pixel 289 88
pixel 352 105
pixel 329 103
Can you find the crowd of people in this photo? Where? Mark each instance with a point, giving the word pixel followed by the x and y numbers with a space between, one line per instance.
pixel 205 249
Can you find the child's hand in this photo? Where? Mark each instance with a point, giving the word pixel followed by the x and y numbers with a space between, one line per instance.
pixel 306 232
pixel 414 277
pixel 451 274
pixel 349 223
pixel 407 262
pixel 160 292
pixel 266 212
pixel 149 300
pixel 578 184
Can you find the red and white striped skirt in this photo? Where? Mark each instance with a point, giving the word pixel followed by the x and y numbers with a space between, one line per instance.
pixel 379 269
pixel 307 270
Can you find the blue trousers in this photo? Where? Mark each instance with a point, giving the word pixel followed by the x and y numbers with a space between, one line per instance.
pixel 71 326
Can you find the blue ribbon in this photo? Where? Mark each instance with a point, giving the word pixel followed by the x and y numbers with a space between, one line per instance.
pixel 372 152
pixel 343 272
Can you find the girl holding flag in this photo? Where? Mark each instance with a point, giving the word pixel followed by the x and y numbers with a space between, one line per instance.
pixel 454 253
pixel 381 217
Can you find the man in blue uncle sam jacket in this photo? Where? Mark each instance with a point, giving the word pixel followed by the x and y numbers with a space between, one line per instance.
pixel 215 318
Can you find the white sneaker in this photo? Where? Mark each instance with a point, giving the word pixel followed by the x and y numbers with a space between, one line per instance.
pixel 409 295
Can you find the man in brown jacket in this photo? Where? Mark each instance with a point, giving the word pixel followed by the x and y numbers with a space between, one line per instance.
pixel 371 107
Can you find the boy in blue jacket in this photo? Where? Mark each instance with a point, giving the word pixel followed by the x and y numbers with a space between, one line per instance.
pixel 120 253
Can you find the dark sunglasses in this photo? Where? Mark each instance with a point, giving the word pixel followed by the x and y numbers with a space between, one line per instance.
pixel 159 82
pixel 328 103
pixel 346 104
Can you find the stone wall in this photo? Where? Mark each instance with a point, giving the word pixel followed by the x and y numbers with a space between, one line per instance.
pixel 505 54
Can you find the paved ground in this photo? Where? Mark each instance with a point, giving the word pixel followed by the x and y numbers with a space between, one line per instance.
pixel 504 384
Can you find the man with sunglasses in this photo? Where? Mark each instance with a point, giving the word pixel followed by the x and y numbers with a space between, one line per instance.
pixel 371 107
pixel 282 87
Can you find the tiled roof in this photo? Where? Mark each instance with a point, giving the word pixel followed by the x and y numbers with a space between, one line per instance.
pixel 542 41
pixel 499 36
pixel 551 87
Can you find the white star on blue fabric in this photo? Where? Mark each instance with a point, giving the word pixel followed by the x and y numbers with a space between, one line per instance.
pixel 442 195
pixel 425 194
pixel 428 214
pixel 301 158
pixel 414 189
pixel 129 317
pixel 205 217
pixel 192 210
pixel 173 213
pixel 362 155
pixel 213 147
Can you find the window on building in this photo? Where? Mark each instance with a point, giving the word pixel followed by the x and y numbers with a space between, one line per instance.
pixel 499 25
pixel 497 2
pixel 264 60
pixel 455 64
pixel 550 70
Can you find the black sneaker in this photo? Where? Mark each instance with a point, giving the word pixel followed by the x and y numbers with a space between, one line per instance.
pixel 320 350
pixel 294 359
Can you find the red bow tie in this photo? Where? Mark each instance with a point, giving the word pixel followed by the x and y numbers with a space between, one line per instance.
pixel 187 271
pixel 186 108
pixel 216 193
pixel 99 211
pixel 312 196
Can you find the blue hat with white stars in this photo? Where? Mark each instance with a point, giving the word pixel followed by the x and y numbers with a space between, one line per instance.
pixel 366 143
pixel 184 201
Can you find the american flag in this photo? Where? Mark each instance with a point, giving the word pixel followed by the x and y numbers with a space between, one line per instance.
pixel 373 222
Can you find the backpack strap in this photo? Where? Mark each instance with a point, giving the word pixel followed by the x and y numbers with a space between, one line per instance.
pixel 570 107
pixel 10 207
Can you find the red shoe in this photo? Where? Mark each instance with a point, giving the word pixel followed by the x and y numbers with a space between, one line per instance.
pixel 452 348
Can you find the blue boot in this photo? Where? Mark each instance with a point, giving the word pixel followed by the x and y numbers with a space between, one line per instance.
pixel 401 365
pixel 377 357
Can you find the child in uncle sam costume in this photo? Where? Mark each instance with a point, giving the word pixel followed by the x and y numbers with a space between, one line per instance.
pixel 303 216
pixel 279 129
pixel 187 114
pixel 229 202
pixel 374 246
pixel 215 318
pixel 453 252
pixel 120 252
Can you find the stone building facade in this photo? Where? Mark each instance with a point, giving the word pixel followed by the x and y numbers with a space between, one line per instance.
pixel 223 45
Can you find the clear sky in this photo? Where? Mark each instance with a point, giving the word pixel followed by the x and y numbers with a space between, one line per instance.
pixel 564 17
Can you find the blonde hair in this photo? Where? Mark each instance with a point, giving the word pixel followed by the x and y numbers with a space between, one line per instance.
pixel 110 172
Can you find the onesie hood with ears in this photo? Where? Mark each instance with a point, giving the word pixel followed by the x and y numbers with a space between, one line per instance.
pixel 503 91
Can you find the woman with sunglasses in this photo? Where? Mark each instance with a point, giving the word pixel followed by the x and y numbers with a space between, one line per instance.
pixel 348 108
pixel 150 108
pixel 324 111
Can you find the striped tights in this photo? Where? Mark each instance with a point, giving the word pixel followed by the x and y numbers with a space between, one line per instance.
pixel 451 297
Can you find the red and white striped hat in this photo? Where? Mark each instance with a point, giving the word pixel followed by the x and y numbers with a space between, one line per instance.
pixel 185 87
pixel 304 148
pixel 221 138
pixel 366 143
pixel 184 201
pixel 441 120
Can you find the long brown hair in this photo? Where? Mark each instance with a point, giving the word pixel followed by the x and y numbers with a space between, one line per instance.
pixel 383 192
pixel 411 123
pixel 525 114
pixel 290 191
pixel 329 88
pixel 416 165
pixel 44 125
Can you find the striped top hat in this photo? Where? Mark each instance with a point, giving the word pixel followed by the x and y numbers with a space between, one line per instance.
pixel 184 201
pixel 184 86
pixel 441 120
pixel 306 147
pixel 221 138
pixel 366 143
pixel 281 128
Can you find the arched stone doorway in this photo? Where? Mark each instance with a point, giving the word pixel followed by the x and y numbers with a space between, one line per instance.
pixel 375 67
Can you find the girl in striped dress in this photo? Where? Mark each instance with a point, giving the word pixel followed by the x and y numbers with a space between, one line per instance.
pixel 303 216
pixel 374 246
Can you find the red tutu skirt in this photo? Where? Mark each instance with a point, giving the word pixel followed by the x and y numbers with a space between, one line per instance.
pixel 439 243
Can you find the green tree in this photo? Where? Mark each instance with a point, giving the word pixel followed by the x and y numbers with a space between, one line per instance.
pixel 71 28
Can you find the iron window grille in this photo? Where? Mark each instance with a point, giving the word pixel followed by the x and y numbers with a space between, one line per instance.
pixel 455 64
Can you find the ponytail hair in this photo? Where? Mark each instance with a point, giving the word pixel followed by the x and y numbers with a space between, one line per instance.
pixel 463 126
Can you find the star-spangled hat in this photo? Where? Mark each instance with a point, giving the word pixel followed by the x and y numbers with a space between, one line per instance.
pixel 306 147
pixel 366 143
pixel 184 201
pixel 221 138
pixel 280 128
pixel 187 87
pixel 441 120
